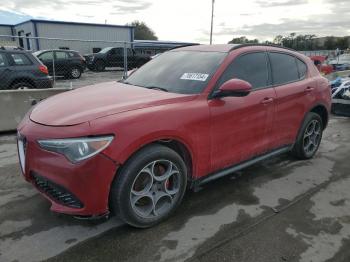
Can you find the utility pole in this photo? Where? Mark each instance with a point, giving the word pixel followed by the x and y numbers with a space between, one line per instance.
pixel 212 18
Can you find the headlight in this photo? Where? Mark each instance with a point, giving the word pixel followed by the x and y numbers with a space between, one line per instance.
pixel 77 149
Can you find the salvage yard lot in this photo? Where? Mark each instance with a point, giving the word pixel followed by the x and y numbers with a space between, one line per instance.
pixel 90 78
pixel 278 210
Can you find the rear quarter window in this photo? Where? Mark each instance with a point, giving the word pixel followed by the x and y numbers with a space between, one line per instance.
pixel 20 59
pixel 284 68
pixel 3 61
pixel 302 68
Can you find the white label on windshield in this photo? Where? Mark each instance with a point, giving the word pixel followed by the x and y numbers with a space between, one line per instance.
pixel 194 76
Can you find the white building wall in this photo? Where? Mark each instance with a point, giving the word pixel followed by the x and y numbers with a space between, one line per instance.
pixel 6 30
pixel 26 29
pixel 98 34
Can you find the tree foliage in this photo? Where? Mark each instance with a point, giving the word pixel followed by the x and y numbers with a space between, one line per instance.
pixel 302 42
pixel 243 40
pixel 142 31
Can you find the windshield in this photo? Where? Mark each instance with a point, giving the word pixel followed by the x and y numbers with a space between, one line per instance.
pixel 105 50
pixel 184 72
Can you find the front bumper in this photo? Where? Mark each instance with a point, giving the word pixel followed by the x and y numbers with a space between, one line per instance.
pixel 77 189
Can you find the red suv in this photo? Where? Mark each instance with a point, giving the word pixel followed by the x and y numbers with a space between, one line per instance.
pixel 187 117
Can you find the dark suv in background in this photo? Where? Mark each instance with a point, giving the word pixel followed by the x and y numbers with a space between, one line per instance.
pixel 21 70
pixel 66 63
pixel 114 57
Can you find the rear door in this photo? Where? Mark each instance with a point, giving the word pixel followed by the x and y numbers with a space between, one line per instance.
pixel 294 89
pixel 62 63
pixel 241 126
pixel 5 71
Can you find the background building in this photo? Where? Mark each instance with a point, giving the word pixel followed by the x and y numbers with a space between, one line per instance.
pixel 97 36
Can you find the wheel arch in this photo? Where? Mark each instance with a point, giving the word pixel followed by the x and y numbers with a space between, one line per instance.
pixel 175 143
pixel 23 80
pixel 322 111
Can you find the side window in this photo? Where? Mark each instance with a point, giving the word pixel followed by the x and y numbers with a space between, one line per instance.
pixel 61 55
pixel 2 60
pixel 302 68
pixel 47 56
pixel 249 67
pixel 284 68
pixel 20 59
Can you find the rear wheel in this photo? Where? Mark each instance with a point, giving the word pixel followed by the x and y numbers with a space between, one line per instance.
pixel 309 137
pixel 75 73
pixel 100 66
pixel 22 85
pixel 149 187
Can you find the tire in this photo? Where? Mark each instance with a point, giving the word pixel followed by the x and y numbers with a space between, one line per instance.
pixel 143 180
pixel 75 73
pixel 309 137
pixel 22 85
pixel 100 66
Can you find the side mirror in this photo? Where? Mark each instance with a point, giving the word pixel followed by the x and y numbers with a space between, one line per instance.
pixel 130 72
pixel 234 87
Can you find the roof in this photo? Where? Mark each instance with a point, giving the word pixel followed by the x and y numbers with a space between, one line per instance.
pixel 70 23
pixel 209 48
pixel 225 48
pixel 160 44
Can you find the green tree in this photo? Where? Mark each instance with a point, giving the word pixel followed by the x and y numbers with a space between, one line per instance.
pixel 342 43
pixel 243 40
pixel 278 40
pixel 329 43
pixel 142 31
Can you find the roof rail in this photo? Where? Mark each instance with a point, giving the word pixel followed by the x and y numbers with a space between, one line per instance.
pixel 176 47
pixel 254 44
pixel 11 48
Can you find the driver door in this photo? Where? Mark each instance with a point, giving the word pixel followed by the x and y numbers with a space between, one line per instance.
pixel 241 126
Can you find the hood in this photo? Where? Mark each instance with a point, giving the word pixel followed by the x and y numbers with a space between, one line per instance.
pixel 88 103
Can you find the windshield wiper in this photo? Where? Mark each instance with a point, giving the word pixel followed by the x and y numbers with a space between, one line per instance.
pixel 157 87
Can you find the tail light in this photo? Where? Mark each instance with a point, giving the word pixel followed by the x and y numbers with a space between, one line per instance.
pixel 43 69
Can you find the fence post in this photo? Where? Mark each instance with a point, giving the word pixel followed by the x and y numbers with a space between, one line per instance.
pixel 125 74
pixel 53 69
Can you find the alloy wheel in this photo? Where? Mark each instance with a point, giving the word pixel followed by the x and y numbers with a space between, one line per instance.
pixel 75 73
pixel 155 189
pixel 312 137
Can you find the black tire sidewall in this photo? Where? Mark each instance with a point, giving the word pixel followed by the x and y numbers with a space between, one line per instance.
pixel 21 84
pixel 121 187
pixel 298 149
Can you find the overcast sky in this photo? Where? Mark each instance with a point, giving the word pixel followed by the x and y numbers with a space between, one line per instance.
pixel 189 20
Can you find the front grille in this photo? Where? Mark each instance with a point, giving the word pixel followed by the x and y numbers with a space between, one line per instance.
pixel 56 192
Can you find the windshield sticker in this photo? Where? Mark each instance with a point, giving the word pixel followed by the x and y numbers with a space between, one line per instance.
pixel 194 76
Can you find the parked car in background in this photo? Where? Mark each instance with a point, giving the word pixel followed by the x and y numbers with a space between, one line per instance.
pixel 66 63
pixel 321 64
pixel 114 57
pixel 341 62
pixel 187 117
pixel 21 70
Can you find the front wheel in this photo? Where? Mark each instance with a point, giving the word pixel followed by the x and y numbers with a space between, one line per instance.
pixel 100 66
pixel 309 137
pixel 149 187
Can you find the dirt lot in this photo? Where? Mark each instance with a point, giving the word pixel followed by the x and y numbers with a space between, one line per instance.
pixel 90 78
pixel 278 210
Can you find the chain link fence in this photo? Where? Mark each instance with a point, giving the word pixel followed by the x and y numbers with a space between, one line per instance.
pixel 70 63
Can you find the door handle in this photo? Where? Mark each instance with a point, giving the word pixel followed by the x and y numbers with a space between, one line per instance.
pixel 309 89
pixel 267 100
